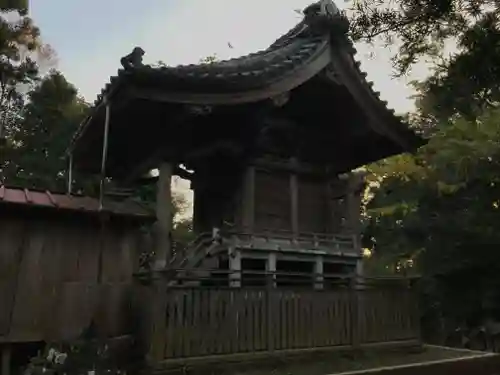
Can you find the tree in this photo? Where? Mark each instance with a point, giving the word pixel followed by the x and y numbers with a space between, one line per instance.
pixel 465 80
pixel 18 37
pixel 20 6
pixel 436 214
pixel 48 122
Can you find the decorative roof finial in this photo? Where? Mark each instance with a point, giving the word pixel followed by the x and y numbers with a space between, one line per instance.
pixel 133 59
pixel 324 16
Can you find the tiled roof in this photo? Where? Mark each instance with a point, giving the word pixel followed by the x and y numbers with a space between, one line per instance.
pixel 45 199
pixel 302 53
pixel 294 49
pixel 246 72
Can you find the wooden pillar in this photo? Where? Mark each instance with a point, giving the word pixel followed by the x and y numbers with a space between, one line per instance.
pixel 318 272
pixel 70 175
pixel 156 320
pixel 6 359
pixel 354 311
pixel 336 194
pixel 104 158
pixel 331 206
pixel 248 200
pixel 359 268
pixel 235 265
pixel 197 209
pixel 354 201
pixel 271 302
pixel 271 269
pixel 294 197
pixel 163 216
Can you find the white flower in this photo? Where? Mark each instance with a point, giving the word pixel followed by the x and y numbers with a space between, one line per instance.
pixel 51 354
pixel 60 358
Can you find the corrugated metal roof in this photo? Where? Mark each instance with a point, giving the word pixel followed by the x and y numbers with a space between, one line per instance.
pixel 77 203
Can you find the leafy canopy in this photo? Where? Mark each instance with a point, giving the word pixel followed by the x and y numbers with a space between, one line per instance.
pixel 459 38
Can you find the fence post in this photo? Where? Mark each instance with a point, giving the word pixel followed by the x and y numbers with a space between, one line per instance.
pixel 158 319
pixel 6 359
pixel 355 321
pixel 269 312
pixel 415 310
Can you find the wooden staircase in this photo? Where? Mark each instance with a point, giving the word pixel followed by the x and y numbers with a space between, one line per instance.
pixel 198 260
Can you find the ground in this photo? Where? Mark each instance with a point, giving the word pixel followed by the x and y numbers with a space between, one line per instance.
pixel 331 363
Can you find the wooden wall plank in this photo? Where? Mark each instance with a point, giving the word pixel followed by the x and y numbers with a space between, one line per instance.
pixel 56 244
pixel 111 255
pixel 129 251
pixel 89 254
pixel 69 235
pixel 75 308
pixel 48 277
pixel 26 315
pixel 11 249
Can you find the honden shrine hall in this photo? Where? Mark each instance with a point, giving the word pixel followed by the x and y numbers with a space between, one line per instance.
pixel 270 142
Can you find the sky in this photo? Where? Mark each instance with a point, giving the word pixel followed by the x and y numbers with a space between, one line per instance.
pixel 90 37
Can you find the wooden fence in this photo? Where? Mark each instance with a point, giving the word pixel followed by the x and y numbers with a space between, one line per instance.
pixel 202 322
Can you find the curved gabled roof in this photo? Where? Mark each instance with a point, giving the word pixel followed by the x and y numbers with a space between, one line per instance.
pixel 291 60
pixel 319 43
pixel 302 45
pixel 240 74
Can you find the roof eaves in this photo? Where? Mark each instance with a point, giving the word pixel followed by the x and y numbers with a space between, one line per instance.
pixel 411 140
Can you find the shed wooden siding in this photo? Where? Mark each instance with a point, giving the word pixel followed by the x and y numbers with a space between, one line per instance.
pixel 50 287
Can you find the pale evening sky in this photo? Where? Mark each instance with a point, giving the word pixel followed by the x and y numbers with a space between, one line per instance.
pixel 90 36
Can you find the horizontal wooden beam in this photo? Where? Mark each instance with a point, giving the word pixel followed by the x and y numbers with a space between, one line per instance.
pixel 178 171
pixel 287 166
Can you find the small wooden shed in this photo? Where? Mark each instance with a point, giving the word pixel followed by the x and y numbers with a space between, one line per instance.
pixel 65 262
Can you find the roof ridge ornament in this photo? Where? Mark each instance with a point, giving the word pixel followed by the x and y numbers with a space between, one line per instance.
pixel 133 59
pixel 324 17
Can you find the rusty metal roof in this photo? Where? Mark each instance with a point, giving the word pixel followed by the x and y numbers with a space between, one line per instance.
pixel 77 203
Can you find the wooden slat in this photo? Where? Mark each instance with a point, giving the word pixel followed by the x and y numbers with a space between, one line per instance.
pixel 51 264
pixel 67 250
pixel 75 307
pixel 26 315
pixel 88 259
pixel 169 316
pixel 48 271
pixel 129 254
pixel 218 321
pixel 11 249
pixel 195 328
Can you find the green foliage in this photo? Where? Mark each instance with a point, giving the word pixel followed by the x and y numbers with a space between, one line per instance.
pixel 20 6
pixel 436 214
pixel 209 59
pixel 464 81
pixel 18 38
pixel 49 120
